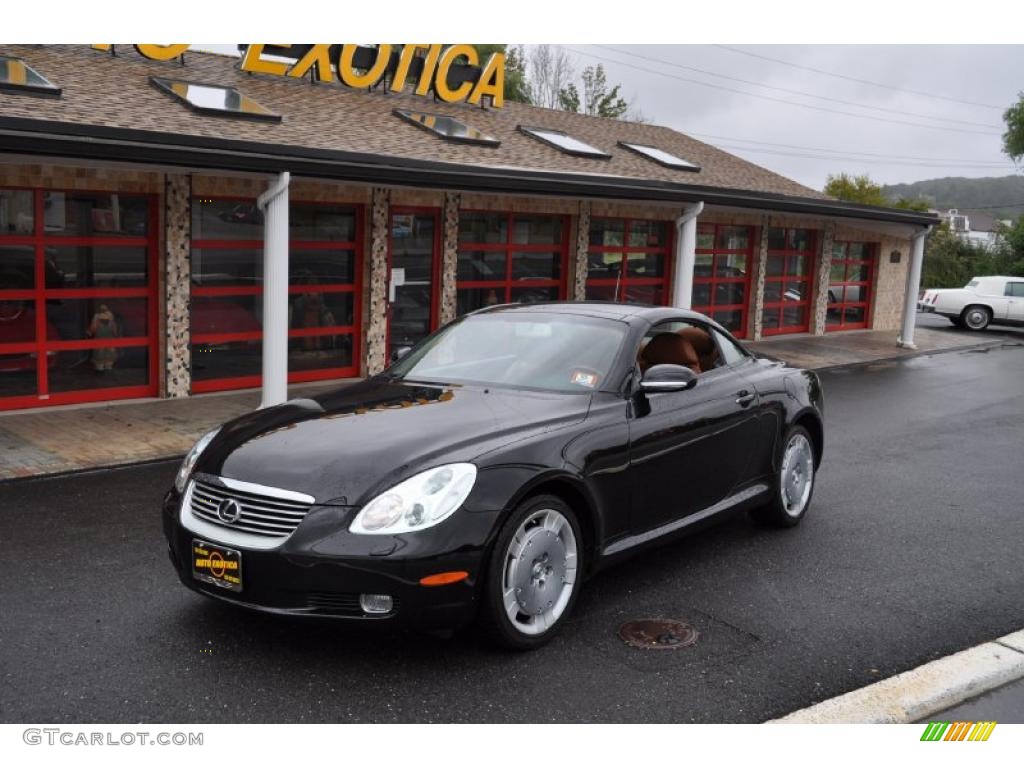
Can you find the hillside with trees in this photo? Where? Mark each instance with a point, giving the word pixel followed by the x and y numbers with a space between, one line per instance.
pixel 1001 196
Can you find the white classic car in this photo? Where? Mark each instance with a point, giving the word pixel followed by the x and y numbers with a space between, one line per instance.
pixel 982 301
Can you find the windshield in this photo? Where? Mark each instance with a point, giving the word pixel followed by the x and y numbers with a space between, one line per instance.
pixel 555 352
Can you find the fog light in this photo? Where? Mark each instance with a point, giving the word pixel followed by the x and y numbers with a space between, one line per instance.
pixel 376 603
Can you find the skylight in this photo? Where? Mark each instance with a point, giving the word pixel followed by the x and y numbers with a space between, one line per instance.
pixel 447 128
pixel 214 99
pixel 661 156
pixel 564 142
pixel 19 77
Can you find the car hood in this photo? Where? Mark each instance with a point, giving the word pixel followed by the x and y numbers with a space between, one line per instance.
pixel 343 446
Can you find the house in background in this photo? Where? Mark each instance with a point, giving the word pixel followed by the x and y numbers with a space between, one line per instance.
pixel 975 227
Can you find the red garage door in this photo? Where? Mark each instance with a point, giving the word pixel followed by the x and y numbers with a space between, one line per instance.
pixel 78 305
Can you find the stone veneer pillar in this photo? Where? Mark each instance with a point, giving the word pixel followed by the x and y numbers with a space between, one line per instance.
pixel 177 282
pixel 821 280
pixel 450 257
pixel 377 318
pixel 582 265
pixel 761 266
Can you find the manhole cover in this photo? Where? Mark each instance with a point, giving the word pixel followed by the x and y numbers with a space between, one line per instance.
pixel 658 634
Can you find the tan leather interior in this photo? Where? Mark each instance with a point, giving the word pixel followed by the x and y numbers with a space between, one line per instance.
pixel 669 348
pixel 703 344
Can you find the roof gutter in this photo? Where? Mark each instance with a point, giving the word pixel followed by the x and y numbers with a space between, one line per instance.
pixel 57 139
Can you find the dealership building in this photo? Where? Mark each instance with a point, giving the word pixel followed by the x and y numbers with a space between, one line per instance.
pixel 136 250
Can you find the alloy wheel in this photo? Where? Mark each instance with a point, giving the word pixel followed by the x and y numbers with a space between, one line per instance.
pixel 797 474
pixel 539 573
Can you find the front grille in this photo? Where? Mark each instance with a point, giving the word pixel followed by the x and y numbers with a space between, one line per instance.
pixel 262 514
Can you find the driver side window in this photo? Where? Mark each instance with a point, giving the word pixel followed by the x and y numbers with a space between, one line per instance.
pixel 678 342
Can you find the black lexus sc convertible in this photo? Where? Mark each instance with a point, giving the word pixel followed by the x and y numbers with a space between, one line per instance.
pixel 493 468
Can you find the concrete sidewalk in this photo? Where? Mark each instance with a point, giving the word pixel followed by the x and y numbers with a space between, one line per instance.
pixel 852 347
pixel 53 440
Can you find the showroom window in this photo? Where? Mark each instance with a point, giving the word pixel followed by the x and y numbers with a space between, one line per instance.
pixel 849 286
pixel 721 274
pixel 628 261
pixel 515 258
pixel 227 292
pixel 788 282
pixel 77 297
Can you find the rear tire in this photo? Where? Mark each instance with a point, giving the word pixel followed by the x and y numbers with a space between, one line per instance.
pixel 794 481
pixel 976 318
pixel 533 574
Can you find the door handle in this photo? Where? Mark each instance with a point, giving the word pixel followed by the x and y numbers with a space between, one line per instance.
pixel 745 398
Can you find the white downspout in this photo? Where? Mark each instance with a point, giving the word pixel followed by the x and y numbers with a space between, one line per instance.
pixel 906 337
pixel 274 204
pixel 686 255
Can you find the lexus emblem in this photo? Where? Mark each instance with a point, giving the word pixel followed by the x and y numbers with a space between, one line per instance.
pixel 229 511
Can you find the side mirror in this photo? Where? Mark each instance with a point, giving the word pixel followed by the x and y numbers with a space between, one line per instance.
pixel 399 353
pixel 667 378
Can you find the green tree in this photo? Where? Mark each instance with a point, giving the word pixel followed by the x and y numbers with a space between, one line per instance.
pixel 569 98
pixel 912 205
pixel 1013 139
pixel 517 87
pixel 861 189
pixel 855 189
pixel 1009 258
pixel 598 99
pixel 949 261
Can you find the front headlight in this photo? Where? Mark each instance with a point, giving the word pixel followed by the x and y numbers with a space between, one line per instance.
pixel 419 502
pixel 191 458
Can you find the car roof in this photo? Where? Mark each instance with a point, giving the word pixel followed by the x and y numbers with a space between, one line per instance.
pixel 604 309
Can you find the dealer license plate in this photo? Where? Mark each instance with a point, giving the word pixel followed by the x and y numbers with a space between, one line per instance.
pixel 217 565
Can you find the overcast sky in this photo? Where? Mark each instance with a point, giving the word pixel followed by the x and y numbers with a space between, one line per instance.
pixel 906 132
pixel 730 113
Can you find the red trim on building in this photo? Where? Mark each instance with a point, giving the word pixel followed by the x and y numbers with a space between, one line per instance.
pixel 858 273
pixel 795 284
pixel 46 343
pixel 507 285
pixel 723 275
pixel 255 291
pixel 623 281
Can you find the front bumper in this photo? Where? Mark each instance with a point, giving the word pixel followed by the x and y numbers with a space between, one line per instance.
pixel 322 576
pixel 922 307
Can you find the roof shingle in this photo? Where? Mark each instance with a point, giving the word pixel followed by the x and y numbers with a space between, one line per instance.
pixel 102 90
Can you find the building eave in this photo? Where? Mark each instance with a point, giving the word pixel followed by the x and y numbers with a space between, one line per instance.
pixel 103 143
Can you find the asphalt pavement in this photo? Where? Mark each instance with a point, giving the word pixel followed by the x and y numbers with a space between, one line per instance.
pixel 1003 705
pixel 911 551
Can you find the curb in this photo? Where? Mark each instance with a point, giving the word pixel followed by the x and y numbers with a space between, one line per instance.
pixel 904 355
pixel 925 690
pixel 71 471
pixel 922 353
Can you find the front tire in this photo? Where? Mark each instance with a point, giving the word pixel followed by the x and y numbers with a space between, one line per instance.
pixel 794 482
pixel 533 574
pixel 976 318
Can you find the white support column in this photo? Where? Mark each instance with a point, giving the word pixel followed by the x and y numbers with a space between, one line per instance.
pixel 906 337
pixel 274 204
pixel 686 255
